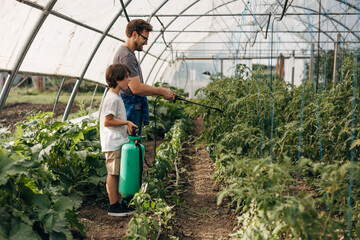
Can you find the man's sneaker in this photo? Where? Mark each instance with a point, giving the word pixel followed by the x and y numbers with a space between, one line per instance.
pixel 117 210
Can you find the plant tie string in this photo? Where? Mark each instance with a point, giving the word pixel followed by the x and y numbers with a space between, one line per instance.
pixel 299 147
pixel 263 125
pixel 353 134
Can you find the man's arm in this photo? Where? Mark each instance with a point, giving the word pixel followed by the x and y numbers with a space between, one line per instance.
pixel 146 90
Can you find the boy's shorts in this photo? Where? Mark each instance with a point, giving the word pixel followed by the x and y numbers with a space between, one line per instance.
pixel 113 162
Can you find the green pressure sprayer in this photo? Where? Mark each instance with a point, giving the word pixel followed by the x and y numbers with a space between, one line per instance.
pixel 131 168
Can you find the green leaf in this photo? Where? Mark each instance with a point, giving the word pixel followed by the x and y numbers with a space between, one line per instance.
pixel 62 205
pixel 355 143
pixel 46 150
pixel 82 154
pixel 8 166
pixel 49 221
pixel 42 203
pixel 60 231
pixel 57 236
pixel 36 148
pixel 76 200
pixel 156 225
pixel 30 183
pixel 20 214
pixel 2 232
pixel 77 137
pixel 71 217
pixel 221 197
pixel 22 231
pixel 57 125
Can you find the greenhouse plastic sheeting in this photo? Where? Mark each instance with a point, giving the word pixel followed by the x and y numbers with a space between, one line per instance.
pixel 215 29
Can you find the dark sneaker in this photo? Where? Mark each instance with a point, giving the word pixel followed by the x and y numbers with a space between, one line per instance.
pixel 126 205
pixel 117 210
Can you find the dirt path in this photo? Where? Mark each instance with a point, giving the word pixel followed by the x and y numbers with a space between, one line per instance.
pixel 201 217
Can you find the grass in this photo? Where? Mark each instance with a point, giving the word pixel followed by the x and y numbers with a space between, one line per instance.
pixel 49 97
pixel 82 99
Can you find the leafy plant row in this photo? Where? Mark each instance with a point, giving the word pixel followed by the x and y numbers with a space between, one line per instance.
pixel 255 144
pixel 153 211
pixel 48 168
pixel 44 174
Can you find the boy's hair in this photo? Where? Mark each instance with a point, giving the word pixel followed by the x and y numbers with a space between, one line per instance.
pixel 116 72
pixel 138 25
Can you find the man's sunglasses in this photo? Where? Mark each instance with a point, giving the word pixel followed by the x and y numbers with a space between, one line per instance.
pixel 146 39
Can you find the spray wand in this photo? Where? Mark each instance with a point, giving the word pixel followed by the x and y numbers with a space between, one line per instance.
pixel 179 99
pixel 185 100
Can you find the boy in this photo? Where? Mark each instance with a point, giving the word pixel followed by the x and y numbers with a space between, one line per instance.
pixel 113 133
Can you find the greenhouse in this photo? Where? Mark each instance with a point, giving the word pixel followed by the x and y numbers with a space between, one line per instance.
pixel 249 125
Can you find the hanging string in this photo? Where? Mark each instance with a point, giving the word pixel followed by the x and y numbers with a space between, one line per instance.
pixel 319 51
pixel 343 41
pixel 259 78
pixel 352 151
pixel 273 97
pixel 259 100
pixel 263 126
pixel 326 62
pixel 316 97
pixel 317 113
pixel 299 147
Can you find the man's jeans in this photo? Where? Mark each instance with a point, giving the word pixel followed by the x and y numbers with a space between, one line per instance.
pixel 138 121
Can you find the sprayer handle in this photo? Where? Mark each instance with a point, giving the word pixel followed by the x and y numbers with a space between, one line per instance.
pixel 177 98
pixel 134 132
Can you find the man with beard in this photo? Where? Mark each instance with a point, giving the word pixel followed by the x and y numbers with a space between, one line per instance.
pixel 136 104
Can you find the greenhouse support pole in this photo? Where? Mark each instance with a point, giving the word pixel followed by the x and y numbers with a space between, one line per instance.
pixel 78 81
pixel 58 95
pixel 71 99
pixel 336 59
pixel 21 56
pixel 92 99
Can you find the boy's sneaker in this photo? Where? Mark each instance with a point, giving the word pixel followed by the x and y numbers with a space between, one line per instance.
pixel 117 210
pixel 125 204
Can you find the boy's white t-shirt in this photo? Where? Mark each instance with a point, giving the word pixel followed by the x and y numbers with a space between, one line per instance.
pixel 111 138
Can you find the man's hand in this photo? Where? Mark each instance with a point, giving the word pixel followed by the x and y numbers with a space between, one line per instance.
pixel 130 126
pixel 168 94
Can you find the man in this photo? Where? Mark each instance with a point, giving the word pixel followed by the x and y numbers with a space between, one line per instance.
pixel 137 109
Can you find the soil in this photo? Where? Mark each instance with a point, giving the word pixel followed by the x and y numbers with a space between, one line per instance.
pixel 198 218
pixel 16 112
pixel 201 217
